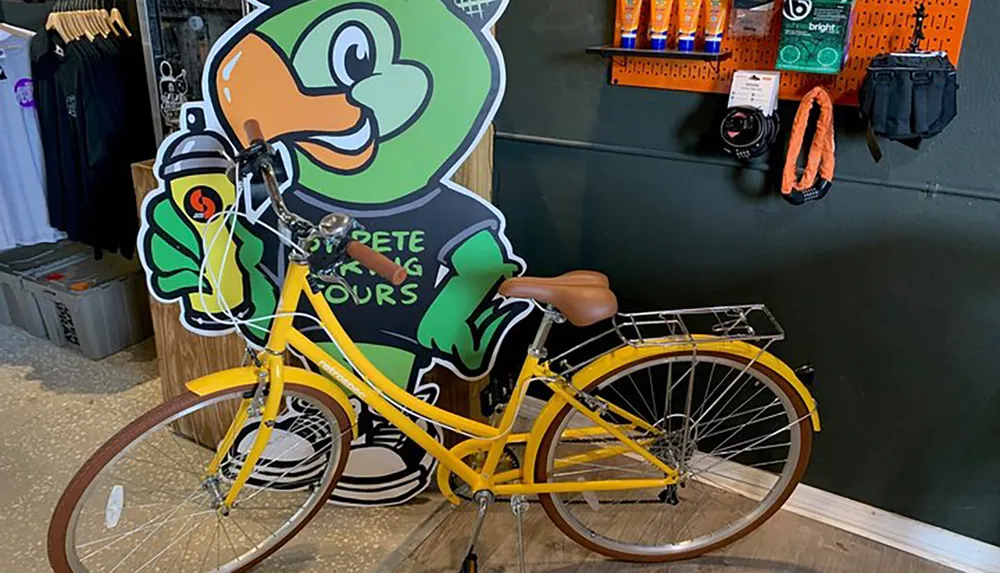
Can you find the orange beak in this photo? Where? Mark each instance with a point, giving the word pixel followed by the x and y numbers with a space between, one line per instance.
pixel 254 82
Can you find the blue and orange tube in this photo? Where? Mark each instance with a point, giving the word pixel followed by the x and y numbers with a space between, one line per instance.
pixel 716 12
pixel 659 23
pixel 630 10
pixel 687 29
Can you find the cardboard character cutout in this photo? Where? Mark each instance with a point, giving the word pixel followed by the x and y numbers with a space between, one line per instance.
pixel 372 106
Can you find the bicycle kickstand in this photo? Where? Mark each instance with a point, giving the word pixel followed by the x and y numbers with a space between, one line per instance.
pixel 519 505
pixel 471 562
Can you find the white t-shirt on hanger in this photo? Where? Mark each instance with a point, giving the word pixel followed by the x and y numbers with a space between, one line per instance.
pixel 24 215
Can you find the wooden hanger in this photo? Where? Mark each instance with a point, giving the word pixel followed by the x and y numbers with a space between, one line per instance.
pixel 97 19
pixel 72 21
pixel 116 18
pixel 83 18
pixel 56 22
pixel 68 19
pixel 104 18
pixel 87 17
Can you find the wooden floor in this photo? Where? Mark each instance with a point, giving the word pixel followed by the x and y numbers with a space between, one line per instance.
pixel 786 544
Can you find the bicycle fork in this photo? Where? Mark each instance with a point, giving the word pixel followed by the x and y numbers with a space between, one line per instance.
pixel 273 379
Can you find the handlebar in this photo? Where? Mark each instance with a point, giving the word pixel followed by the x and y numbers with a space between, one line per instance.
pixel 373 260
pixel 252 129
pixel 255 137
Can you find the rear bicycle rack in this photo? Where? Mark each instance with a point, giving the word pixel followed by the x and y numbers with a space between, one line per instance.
pixel 684 327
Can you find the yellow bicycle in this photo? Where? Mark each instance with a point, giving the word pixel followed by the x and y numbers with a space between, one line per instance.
pixel 677 437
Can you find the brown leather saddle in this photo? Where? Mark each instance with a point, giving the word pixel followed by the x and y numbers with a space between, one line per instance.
pixel 582 296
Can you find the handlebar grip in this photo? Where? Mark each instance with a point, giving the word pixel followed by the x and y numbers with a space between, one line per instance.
pixel 381 264
pixel 254 134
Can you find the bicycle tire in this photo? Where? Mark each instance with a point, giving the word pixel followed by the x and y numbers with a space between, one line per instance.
pixel 63 514
pixel 590 542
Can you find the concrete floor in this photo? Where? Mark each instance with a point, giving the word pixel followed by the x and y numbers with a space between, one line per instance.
pixel 787 543
pixel 57 407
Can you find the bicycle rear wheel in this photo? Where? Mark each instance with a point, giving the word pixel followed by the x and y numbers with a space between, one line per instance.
pixel 738 433
pixel 142 502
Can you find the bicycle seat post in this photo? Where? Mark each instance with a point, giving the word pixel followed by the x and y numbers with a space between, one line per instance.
pixel 551 316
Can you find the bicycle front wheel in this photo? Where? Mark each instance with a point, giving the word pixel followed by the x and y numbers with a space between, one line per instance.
pixel 736 431
pixel 143 501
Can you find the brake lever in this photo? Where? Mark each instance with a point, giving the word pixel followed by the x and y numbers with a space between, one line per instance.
pixel 330 276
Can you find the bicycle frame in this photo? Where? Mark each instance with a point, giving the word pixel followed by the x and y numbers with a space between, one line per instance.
pixel 381 395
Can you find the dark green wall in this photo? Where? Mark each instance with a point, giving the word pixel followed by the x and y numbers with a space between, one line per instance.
pixel 893 292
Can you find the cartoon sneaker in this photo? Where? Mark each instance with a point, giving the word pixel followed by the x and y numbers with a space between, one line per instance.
pixel 295 457
pixel 385 466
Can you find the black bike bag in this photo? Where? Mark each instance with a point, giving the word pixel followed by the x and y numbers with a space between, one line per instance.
pixel 908 97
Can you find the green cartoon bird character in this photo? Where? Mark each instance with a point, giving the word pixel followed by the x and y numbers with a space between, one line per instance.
pixel 372 106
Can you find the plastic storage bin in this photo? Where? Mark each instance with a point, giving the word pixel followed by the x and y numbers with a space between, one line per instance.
pixel 19 307
pixel 97 307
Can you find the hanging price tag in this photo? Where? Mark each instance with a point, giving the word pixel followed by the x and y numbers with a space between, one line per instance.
pixel 756 89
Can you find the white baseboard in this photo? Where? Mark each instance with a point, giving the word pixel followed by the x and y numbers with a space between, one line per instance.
pixel 909 535
pixel 902 533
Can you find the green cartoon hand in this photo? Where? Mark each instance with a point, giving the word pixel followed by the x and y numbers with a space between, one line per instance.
pixel 184 232
pixel 173 251
pixel 464 320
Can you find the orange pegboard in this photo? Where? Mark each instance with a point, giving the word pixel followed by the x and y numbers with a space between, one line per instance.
pixel 880 26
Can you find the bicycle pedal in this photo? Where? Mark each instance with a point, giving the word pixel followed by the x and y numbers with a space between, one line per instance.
pixel 470 564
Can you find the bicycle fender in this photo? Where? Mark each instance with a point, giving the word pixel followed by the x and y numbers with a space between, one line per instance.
pixel 235 377
pixel 623 356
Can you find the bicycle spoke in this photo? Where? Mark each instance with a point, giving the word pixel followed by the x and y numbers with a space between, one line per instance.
pixel 147 538
pixel 101 512
pixel 173 438
pixel 736 429
pixel 666 405
pixel 643 398
pixel 204 559
pixel 149 524
pixel 187 544
pixel 242 531
pixel 229 540
pixel 266 487
pixel 131 532
pixel 171 544
pixel 728 406
pixel 745 424
pixel 754 449
pixel 686 426
pixel 293 468
pixel 630 406
pixel 744 403
pixel 143 461
pixel 739 378
pixel 718 421
pixel 164 524
pixel 169 459
pixel 765 438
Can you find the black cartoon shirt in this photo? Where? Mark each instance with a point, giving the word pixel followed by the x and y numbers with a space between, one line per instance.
pixel 420 236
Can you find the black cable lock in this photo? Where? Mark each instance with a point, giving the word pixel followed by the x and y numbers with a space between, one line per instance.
pixel 747 133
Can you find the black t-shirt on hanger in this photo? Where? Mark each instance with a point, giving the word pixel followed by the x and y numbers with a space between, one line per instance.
pixel 91 132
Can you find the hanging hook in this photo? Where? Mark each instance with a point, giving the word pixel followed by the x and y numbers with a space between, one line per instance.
pixel 918 28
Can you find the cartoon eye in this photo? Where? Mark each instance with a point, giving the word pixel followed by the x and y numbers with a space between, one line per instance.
pixel 352 54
